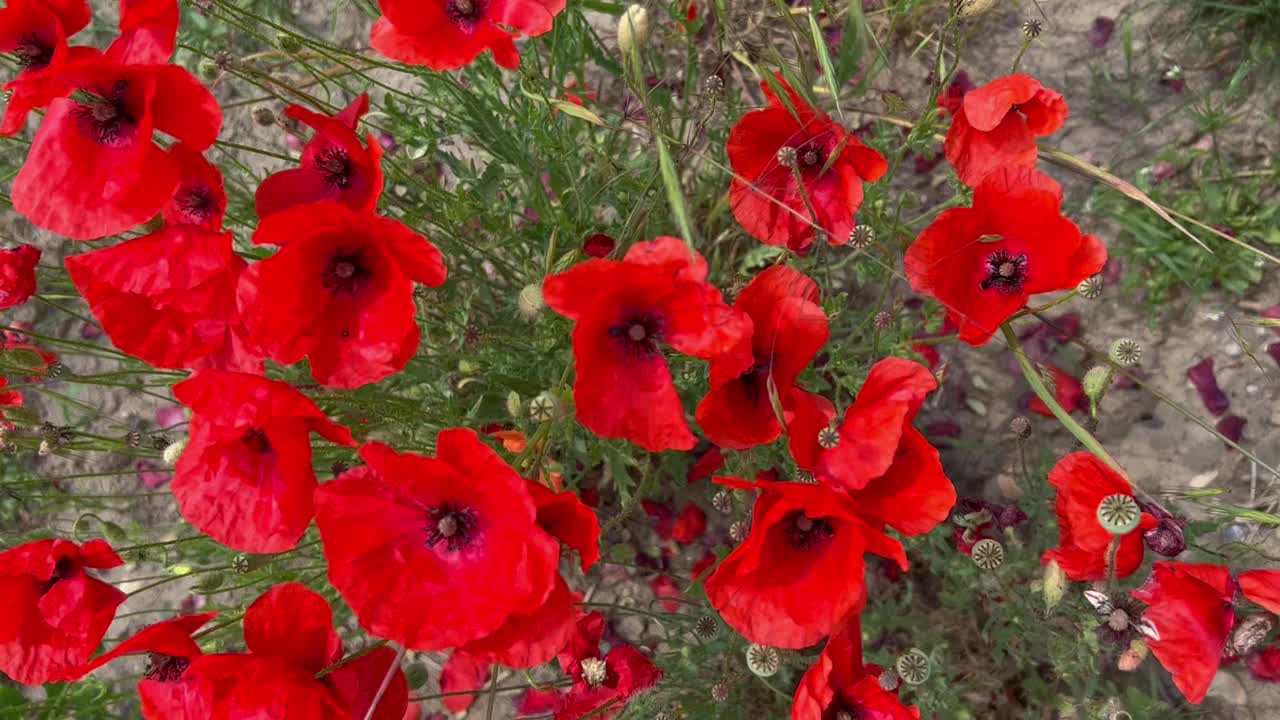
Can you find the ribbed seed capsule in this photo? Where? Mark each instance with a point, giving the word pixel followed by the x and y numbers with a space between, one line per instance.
pixel 913 666
pixel 862 237
pixel 1090 288
pixel 706 627
pixel 1118 514
pixel 1126 352
pixel 987 554
pixel 762 660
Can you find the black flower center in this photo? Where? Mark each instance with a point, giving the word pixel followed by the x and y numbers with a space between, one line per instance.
pixel 453 524
pixel 640 334
pixel 196 202
pixel 165 668
pixel 755 382
pixel 61 570
pixel 103 115
pixel 345 274
pixel 465 13
pixel 1006 272
pixel 335 164
pixel 257 440
pixel 33 52
pixel 804 532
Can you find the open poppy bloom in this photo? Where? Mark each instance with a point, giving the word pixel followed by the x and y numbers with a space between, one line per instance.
pixel 409 530
pixel 875 455
pixel 56 613
pixel 198 198
pixel 788 329
pixel 18 275
pixel 245 478
pixel 1190 610
pixel 603 683
pixel 289 634
pixel 996 126
pixel 768 149
pixel 168 298
pixel 840 686
pixel 94 169
pixel 624 311
pixel 448 34
pixel 34 33
pixel 148 32
pixel 339 291
pixel 335 165
pixel 799 572
pixel 1083 482
pixel 982 263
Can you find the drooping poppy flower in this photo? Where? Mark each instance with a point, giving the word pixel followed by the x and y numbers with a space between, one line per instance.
pixel 148 32
pixel 603 683
pixel 198 198
pixel 335 165
pixel 18 275
pixel 56 613
pixel 445 531
pixel 339 291
pixel 245 478
pixel 874 455
pixel 1190 612
pixel 1067 390
pixel 448 34
pixel 768 148
pixel 839 685
pixel 788 329
pixel 168 298
pixel 800 570
pixel 289 634
pixel 1082 482
pixel 34 33
pixel 995 126
pixel 94 169
pixel 623 312
pixel 982 263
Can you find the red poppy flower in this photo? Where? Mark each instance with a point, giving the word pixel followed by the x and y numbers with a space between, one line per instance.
pixel 788 329
pixel 1082 482
pixel 18 275
pixel 335 165
pixel 690 524
pixel 875 455
pixel 1067 390
pixel 566 518
pixel 1262 587
pixel 839 684
pixel 198 198
pixel 444 531
pixel 623 311
pixel 768 148
pixel 708 461
pixel 289 634
pixel 800 570
pixel 34 33
pixel 995 126
pixel 94 169
pixel 448 34
pixel 245 478
pixel 982 263
pixel 10 399
pixel 56 613
pixel 339 291
pixel 148 32
pixel 168 298
pixel 599 245
pixel 603 684
pixel 1190 609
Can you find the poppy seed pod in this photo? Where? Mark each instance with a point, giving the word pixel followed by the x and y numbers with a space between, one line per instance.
pixel 633 29
pixel 1119 514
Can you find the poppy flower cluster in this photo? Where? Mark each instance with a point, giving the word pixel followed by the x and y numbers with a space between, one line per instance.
pixel 448 34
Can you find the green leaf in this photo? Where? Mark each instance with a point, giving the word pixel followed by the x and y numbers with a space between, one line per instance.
pixel 824 58
pixel 675 194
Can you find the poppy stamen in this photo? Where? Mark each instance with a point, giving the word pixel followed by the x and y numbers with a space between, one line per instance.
pixel 805 532
pixel 465 13
pixel 345 274
pixel 61 570
pixel 335 164
pixel 165 668
pixel 454 524
pixel 32 53
pixel 640 334
pixel 195 202
pixel 103 116
pixel 1006 272
pixel 256 438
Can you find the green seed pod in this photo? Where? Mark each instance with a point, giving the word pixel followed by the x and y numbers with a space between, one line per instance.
pixel 1090 288
pixel 762 660
pixel 987 554
pixel 913 666
pixel 1119 514
pixel 1126 352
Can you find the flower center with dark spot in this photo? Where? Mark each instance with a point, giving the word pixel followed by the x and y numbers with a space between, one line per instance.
pixel 61 570
pixel 103 117
pixel 256 439
pixel 804 532
pixel 453 524
pixel 196 202
pixel 640 334
pixel 755 382
pixel 1006 272
pixel 165 668
pixel 335 164
pixel 465 13
pixel 345 274
pixel 33 53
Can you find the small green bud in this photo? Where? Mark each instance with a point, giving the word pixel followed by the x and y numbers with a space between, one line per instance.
pixel 1054 585
pixel 1096 382
pixel 515 406
pixel 208 70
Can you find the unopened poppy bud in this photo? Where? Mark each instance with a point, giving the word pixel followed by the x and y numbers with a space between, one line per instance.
pixel 1053 584
pixel 288 42
pixel 1119 514
pixel 530 302
pixel 633 29
pixel 1126 352
pixel 972 8
pixel 1020 427
pixel 515 406
pixel 913 666
pixel 862 237
pixel 264 116
pixel 174 451
pixel 1096 383
pixel 987 554
pixel 1167 538
pixel 1252 631
pixel 208 70
pixel 594 671
pixel 762 660
pixel 1133 656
